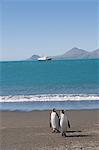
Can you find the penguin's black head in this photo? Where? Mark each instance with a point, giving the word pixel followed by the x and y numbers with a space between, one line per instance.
pixel 54 110
pixel 62 111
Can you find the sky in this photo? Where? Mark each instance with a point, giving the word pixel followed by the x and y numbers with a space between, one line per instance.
pixel 49 27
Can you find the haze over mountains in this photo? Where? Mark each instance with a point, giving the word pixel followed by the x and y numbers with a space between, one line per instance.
pixel 74 53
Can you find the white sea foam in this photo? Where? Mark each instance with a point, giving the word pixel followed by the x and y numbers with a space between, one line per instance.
pixel 49 97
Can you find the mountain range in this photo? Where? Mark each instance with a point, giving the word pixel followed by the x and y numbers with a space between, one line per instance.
pixel 74 53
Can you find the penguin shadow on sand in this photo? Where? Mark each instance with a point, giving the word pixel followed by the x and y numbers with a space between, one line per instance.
pixel 61 124
pixel 76 133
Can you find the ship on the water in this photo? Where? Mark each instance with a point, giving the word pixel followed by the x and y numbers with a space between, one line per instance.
pixel 45 58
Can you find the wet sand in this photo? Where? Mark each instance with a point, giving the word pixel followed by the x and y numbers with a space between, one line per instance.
pixel 31 131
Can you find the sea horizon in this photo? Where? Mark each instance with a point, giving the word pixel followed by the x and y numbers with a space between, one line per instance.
pixel 67 59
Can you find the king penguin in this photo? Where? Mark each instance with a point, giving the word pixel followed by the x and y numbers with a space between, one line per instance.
pixel 54 121
pixel 64 123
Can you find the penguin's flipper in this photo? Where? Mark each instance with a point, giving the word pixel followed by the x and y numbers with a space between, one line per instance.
pixel 50 125
pixel 68 124
pixel 59 122
pixel 50 121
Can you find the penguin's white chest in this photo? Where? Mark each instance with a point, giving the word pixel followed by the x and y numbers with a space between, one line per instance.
pixel 63 123
pixel 54 120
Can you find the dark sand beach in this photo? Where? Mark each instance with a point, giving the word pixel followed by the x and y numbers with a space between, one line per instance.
pixel 31 131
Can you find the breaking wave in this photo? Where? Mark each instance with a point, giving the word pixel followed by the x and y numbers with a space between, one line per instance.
pixel 49 97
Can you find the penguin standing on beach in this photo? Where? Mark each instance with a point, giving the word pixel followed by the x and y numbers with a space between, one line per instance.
pixel 64 123
pixel 54 121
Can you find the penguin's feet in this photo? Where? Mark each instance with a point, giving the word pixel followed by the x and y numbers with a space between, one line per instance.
pixel 64 134
pixel 53 131
pixel 57 131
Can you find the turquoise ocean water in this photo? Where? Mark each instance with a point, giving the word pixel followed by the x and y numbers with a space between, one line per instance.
pixel 21 80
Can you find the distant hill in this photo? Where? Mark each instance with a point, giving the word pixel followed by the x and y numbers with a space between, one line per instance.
pixel 74 53
pixel 94 54
pixel 34 57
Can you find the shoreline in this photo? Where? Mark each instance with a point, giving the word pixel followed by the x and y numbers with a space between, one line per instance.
pixel 48 105
pixel 31 131
pixel 41 110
